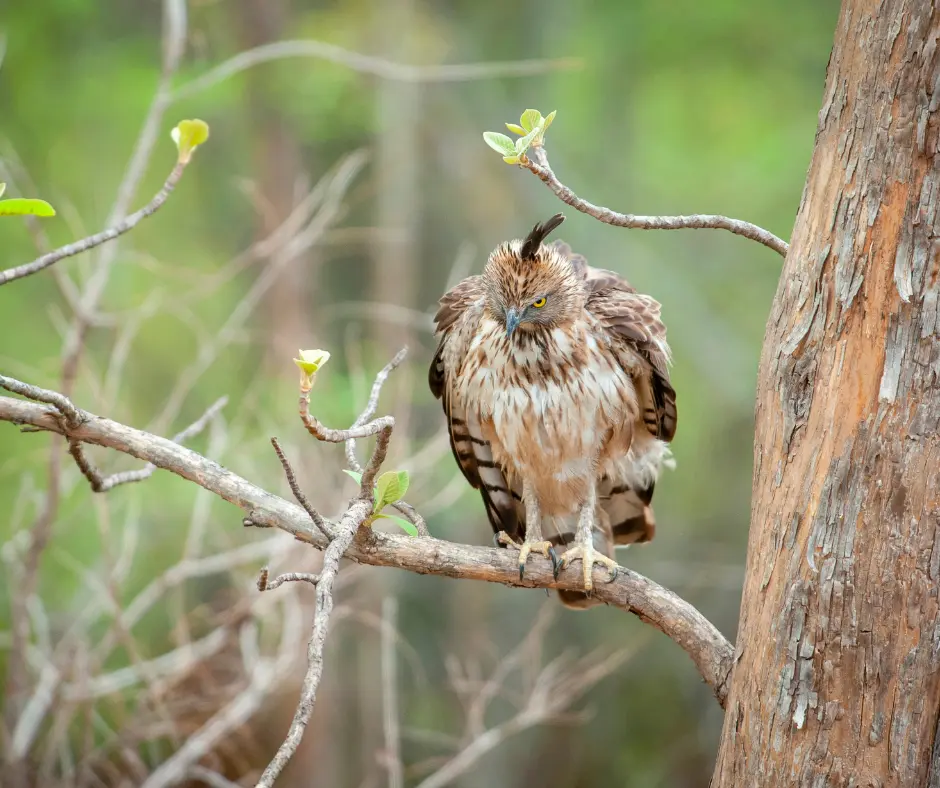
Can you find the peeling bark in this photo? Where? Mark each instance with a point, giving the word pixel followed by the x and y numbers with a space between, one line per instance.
pixel 837 682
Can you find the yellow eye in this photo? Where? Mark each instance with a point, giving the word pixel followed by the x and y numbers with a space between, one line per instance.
pixel 538 303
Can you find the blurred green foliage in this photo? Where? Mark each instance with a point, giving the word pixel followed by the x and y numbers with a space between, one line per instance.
pixel 687 107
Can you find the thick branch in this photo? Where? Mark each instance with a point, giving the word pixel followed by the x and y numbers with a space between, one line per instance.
pixel 70 250
pixel 658 606
pixel 537 162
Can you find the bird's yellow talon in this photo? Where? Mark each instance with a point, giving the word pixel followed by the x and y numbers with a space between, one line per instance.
pixel 589 557
pixel 543 547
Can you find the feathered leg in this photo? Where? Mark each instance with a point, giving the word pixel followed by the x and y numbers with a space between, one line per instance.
pixel 533 533
pixel 584 543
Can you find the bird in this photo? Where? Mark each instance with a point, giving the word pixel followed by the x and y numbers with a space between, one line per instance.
pixel 554 379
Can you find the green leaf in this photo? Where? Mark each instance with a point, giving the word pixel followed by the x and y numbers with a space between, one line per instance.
pixel 523 142
pixel 530 119
pixel 189 135
pixel 3 188
pixel 516 129
pixel 357 477
pixel 21 207
pixel 511 159
pixel 405 526
pixel 311 360
pixel 391 487
pixel 499 142
pixel 548 120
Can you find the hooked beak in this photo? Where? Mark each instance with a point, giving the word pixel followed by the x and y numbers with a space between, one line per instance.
pixel 512 320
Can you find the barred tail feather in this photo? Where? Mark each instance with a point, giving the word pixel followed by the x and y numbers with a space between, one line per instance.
pixel 475 457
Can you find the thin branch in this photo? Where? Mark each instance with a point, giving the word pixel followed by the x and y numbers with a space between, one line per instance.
pixel 288 577
pixel 290 240
pixel 371 406
pixel 211 778
pixel 377 458
pixel 72 249
pixel 390 725
pixel 367 64
pixel 174 43
pixel 555 689
pixel 187 569
pixel 349 525
pixel 711 652
pixel 34 712
pixel 329 435
pixel 413 517
pixel 61 403
pixel 317 518
pixel 237 713
pixel 178 661
pixel 536 161
pixel 381 428
pixel 101 483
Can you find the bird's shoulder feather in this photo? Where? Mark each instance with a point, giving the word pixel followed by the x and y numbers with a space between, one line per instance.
pixel 457 318
pixel 633 322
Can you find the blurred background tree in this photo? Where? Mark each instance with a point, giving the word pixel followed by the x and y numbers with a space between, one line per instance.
pixel 687 108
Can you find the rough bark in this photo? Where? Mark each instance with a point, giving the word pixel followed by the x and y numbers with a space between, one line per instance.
pixel 837 679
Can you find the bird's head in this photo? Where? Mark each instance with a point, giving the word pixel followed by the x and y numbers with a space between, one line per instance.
pixel 531 286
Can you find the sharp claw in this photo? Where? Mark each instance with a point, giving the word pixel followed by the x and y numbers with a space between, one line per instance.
pixel 521 569
pixel 496 541
pixel 554 560
pixel 613 572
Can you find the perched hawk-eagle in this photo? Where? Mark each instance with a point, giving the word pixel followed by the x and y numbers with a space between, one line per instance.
pixel 554 379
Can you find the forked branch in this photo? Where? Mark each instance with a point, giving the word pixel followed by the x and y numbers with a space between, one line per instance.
pixel 710 651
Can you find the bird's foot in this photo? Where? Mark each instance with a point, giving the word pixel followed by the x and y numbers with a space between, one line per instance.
pixel 589 556
pixel 543 547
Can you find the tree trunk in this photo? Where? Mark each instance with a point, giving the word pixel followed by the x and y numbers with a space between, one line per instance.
pixel 837 681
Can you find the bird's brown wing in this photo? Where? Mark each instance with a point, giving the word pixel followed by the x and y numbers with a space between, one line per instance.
pixel 456 321
pixel 636 332
pixel 632 321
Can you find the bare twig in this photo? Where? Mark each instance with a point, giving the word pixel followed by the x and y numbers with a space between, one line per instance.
pixel 380 427
pixel 349 525
pixel 235 714
pixel 371 406
pixel 658 606
pixel 353 462
pixel 177 661
pixel 295 236
pixel 174 43
pixel 174 39
pixel 72 249
pixel 536 161
pixel 101 483
pixel 328 435
pixel 554 689
pixel 317 518
pixel 188 569
pixel 34 712
pixel 390 725
pixel 264 584
pixel 211 778
pixel 61 403
pixel 367 64
pixel 412 514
